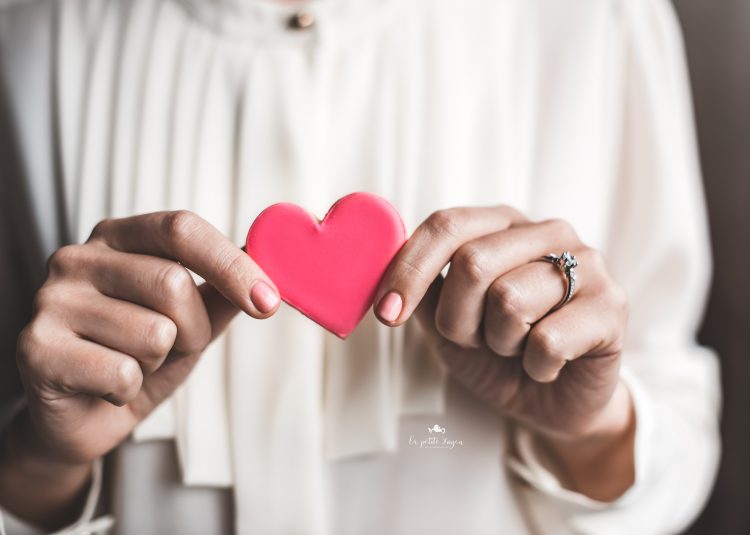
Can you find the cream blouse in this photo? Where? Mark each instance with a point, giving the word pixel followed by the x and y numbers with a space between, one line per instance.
pixel 576 109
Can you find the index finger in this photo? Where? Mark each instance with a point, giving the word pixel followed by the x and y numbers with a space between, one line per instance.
pixel 192 241
pixel 429 250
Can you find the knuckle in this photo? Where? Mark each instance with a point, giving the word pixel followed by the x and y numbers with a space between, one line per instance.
pixel 176 283
pixel 64 260
pixel 617 300
pixel 595 261
pixel 617 345
pixel 542 375
pixel 179 225
pixel 471 262
pixel 28 344
pixel 127 379
pixel 160 336
pixel 100 229
pixel 548 343
pixel 32 354
pixel 618 297
pixel 505 298
pixel 512 213
pixel 410 269
pixel 48 297
pixel 233 265
pixel 454 328
pixel 445 223
pixel 563 230
pixel 405 272
pixel 502 346
pixel 447 328
pixel 202 339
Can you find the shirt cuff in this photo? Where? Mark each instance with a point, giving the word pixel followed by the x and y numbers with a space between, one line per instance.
pixel 527 465
pixel 10 525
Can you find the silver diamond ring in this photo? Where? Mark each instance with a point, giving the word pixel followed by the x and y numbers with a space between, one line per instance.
pixel 566 263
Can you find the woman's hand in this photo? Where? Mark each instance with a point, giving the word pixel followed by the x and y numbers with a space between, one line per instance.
pixel 491 321
pixel 118 325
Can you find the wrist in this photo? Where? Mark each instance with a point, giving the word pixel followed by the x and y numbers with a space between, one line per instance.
pixel 612 423
pixel 34 485
pixel 22 448
pixel 599 463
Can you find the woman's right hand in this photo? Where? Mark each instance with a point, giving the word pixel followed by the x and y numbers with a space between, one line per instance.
pixel 119 324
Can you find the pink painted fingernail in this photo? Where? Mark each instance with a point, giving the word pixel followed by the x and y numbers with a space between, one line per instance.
pixel 390 307
pixel 264 297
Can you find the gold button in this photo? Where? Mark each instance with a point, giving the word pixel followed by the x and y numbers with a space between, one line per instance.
pixel 302 20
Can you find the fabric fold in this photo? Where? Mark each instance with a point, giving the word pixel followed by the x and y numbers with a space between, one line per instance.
pixel 317 398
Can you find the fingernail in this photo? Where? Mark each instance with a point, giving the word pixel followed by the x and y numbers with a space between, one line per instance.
pixel 390 307
pixel 264 297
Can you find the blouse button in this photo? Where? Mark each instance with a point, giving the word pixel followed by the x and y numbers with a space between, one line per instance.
pixel 302 20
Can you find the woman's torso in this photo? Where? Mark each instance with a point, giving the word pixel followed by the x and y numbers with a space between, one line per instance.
pixel 205 106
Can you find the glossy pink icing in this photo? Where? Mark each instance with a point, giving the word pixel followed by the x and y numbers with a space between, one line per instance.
pixel 329 270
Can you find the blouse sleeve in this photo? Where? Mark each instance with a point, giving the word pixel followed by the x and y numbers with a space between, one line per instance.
pixel 23 27
pixel 659 251
pixel 86 523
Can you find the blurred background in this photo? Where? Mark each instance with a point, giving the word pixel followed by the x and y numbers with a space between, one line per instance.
pixel 717 38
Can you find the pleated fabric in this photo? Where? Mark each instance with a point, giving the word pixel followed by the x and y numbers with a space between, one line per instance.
pixel 218 108
pixel 561 109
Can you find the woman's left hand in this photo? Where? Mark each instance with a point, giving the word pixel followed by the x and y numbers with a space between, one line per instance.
pixel 491 319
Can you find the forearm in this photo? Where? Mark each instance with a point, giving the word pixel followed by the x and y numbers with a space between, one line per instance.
pixel 600 465
pixel 34 487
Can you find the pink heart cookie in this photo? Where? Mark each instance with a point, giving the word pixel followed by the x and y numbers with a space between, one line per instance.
pixel 328 270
